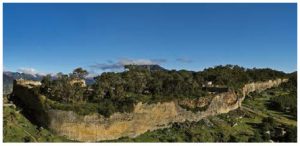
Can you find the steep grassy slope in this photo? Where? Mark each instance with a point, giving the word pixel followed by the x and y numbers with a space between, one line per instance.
pixel 16 128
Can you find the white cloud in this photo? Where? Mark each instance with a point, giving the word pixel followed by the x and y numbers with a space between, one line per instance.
pixel 30 71
pixel 92 74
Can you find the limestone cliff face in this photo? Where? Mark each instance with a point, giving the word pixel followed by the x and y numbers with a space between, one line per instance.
pixel 145 117
pixel 95 127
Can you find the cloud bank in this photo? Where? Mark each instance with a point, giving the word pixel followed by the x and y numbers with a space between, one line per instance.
pixel 30 71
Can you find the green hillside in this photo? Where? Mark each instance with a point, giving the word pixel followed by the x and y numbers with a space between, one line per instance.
pixel 16 128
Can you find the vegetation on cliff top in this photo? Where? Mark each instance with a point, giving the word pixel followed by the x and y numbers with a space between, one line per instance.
pixel 256 121
pixel 118 92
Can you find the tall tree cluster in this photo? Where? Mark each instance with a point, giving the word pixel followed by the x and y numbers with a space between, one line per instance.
pixel 65 88
pixel 119 91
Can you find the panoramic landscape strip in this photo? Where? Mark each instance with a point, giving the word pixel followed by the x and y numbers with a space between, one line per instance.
pixel 150 72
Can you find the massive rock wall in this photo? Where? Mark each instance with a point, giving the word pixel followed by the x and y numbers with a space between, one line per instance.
pixel 145 117
pixel 33 104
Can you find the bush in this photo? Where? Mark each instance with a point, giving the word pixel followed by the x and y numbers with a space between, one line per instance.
pixel 106 108
pixel 291 134
pixel 285 103
pixel 256 137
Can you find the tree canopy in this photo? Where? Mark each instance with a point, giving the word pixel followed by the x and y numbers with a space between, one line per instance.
pixel 143 84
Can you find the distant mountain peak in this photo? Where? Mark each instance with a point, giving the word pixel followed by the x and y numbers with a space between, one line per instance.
pixel 18 75
pixel 150 67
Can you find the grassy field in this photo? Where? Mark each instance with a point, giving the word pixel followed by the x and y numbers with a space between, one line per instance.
pixel 258 105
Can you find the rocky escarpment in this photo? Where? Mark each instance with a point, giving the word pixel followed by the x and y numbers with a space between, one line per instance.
pixel 145 117
pixel 25 95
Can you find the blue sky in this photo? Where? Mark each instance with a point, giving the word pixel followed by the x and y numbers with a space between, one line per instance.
pixel 51 38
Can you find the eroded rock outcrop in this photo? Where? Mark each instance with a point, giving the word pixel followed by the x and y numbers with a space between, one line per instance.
pixel 26 95
pixel 146 117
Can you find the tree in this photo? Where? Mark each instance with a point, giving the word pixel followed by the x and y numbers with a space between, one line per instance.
pixel 136 80
pixel 78 92
pixel 108 85
pixel 156 82
pixel 268 126
pixel 79 73
pixel 291 134
pixel 46 84
pixel 61 89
